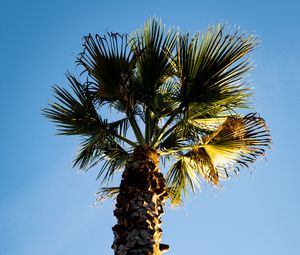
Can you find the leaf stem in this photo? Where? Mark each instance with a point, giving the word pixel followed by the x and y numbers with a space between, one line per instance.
pixel 147 125
pixel 181 148
pixel 135 128
pixel 124 139
pixel 161 132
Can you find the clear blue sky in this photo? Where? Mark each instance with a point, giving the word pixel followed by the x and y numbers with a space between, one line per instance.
pixel 45 204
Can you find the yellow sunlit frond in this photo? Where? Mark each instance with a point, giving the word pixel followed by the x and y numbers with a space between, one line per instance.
pixel 207 123
pixel 238 141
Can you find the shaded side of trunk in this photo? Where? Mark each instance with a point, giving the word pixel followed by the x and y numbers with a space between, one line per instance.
pixel 140 206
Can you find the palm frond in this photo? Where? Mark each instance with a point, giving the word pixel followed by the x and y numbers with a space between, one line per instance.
pixel 238 141
pixel 204 165
pixel 114 158
pixel 165 101
pixel 207 124
pixel 101 147
pixel 119 127
pixel 181 177
pixel 94 150
pixel 74 115
pixel 153 43
pixel 182 134
pixel 107 192
pixel 187 132
pixel 89 153
pixel 110 63
pixel 211 68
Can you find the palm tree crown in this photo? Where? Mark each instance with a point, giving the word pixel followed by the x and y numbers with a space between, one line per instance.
pixel 175 93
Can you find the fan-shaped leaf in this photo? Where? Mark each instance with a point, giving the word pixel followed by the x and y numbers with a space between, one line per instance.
pixel 74 116
pixel 180 177
pixel 110 63
pixel 211 68
pixel 238 141
pixel 154 44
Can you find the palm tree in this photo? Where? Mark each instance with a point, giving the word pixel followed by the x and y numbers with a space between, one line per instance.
pixel 160 95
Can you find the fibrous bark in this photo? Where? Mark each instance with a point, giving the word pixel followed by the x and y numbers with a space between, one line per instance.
pixel 140 206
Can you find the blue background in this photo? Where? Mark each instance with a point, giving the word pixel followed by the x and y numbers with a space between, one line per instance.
pixel 45 205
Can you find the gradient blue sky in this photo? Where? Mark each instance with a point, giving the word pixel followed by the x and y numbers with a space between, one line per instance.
pixel 45 204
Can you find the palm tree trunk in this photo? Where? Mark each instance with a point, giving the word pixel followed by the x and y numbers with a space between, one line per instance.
pixel 140 206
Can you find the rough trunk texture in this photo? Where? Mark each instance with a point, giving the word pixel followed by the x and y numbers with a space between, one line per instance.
pixel 140 206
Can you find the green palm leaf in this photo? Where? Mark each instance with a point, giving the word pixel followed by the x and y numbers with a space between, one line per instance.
pixel 94 150
pixel 180 177
pixel 90 152
pixel 74 116
pixel 110 63
pixel 165 101
pixel 154 44
pixel 114 157
pixel 211 69
pixel 77 115
pixel 181 135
